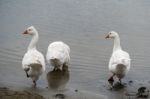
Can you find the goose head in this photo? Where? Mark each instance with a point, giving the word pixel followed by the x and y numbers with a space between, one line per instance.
pixel 112 35
pixel 30 30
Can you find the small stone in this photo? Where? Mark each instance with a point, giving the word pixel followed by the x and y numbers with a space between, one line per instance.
pixel 141 89
pixel 76 90
pixel 60 96
pixel 130 81
pixel 142 93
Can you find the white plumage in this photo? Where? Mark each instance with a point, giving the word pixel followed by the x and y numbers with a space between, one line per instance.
pixel 33 61
pixel 119 63
pixel 58 54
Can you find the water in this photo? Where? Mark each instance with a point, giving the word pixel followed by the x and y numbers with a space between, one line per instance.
pixel 82 24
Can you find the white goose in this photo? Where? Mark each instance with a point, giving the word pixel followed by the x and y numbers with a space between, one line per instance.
pixel 58 54
pixel 33 61
pixel 119 63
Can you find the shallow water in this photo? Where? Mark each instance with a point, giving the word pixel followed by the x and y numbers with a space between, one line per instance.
pixel 82 24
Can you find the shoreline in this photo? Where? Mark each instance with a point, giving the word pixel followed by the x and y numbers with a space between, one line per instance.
pixel 8 91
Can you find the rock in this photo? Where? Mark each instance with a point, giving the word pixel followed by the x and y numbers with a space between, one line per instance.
pixel 142 93
pixel 60 96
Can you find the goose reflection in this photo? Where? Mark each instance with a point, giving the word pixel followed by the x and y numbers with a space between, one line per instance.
pixel 57 79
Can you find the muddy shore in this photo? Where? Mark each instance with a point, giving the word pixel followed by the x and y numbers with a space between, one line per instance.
pixel 12 91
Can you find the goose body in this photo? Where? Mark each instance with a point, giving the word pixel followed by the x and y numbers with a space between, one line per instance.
pixel 58 54
pixel 33 62
pixel 119 63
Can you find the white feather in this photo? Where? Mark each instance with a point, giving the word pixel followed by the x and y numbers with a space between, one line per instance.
pixel 58 54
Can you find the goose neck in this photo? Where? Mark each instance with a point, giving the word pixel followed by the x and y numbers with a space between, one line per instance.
pixel 117 45
pixel 33 42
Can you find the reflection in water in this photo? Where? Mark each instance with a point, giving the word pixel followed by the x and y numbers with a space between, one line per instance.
pixel 57 79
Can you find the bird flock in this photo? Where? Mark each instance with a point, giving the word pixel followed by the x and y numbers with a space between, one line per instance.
pixel 58 55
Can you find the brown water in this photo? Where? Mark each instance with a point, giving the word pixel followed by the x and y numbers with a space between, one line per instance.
pixel 82 24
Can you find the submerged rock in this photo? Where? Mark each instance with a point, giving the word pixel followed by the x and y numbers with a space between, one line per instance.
pixel 60 96
pixel 142 93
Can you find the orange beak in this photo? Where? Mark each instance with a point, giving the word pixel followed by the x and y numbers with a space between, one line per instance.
pixel 107 37
pixel 25 32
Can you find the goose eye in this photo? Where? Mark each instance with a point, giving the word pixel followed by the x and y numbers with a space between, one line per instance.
pixel 110 33
pixel 29 30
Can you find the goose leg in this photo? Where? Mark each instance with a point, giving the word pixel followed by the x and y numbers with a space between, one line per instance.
pixel 55 68
pixel 26 70
pixel 65 67
pixel 61 67
pixel 120 81
pixel 27 74
pixel 111 79
pixel 34 83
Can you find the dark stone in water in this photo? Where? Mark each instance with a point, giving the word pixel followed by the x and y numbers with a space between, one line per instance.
pixel 130 82
pixel 60 96
pixel 141 89
pixel 76 90
pixel 142 93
